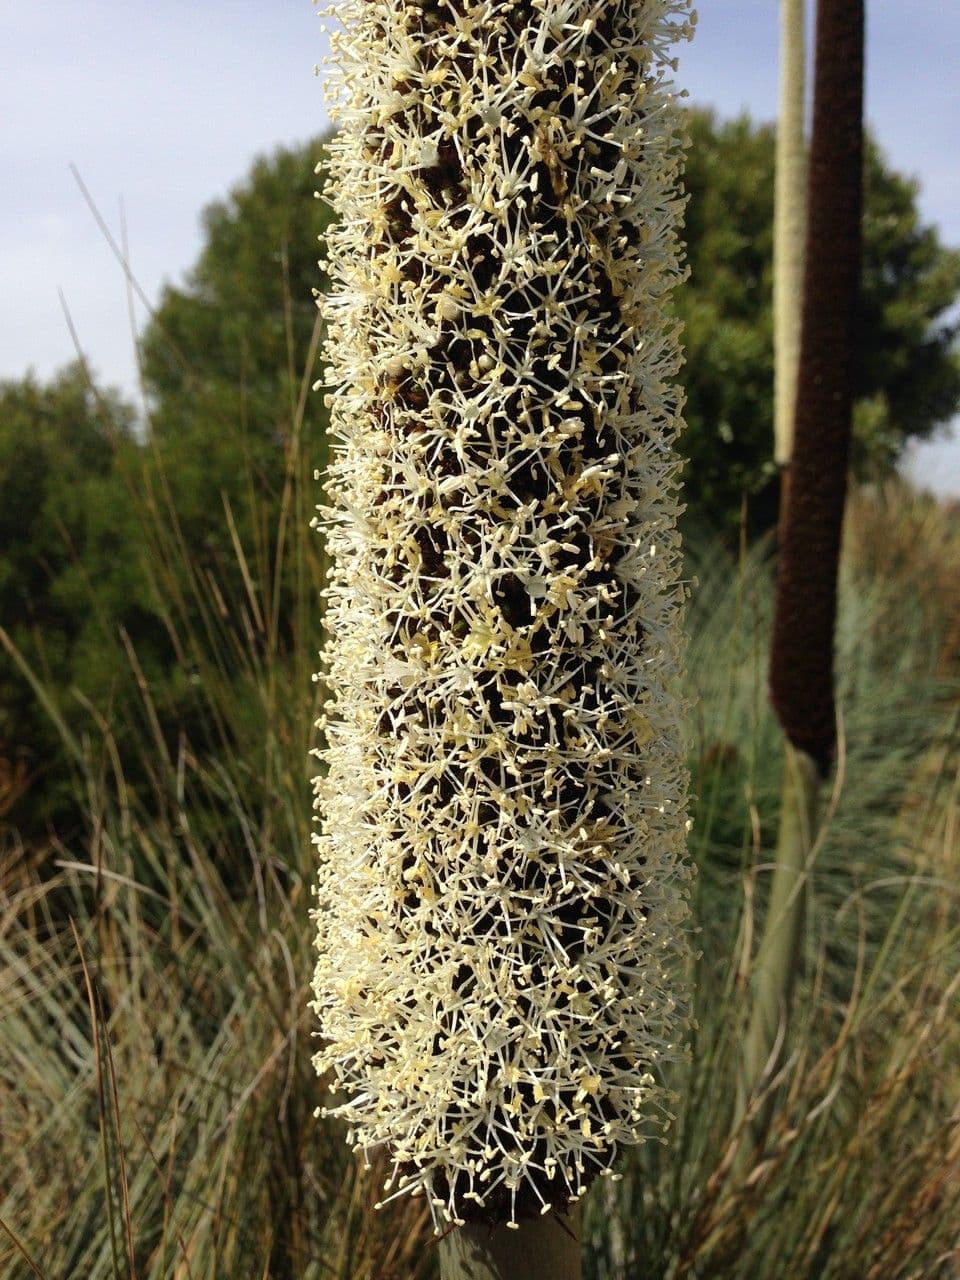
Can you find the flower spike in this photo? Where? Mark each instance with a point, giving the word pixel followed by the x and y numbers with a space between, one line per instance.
pixel 502 885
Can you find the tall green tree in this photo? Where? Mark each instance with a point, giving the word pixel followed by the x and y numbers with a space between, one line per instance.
pixel 107 532
pixel 233 337
pixel 225 353
pixel 228 361
pixel 908 379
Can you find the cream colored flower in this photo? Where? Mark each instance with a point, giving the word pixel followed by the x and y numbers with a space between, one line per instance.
pixel 502 886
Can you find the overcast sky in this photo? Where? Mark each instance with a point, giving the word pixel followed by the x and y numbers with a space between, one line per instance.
pixel 161 108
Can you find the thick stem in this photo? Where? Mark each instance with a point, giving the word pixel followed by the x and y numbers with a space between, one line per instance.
pixel 539 1249
pixel 801 658
pixel 778 958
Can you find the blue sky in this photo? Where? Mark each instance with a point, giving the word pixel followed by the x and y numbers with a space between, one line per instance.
pixel 161 107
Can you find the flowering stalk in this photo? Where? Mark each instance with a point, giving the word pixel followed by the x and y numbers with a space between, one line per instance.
pixel 789 222
pixel 502 885
pixel 777 961
pixel 802 647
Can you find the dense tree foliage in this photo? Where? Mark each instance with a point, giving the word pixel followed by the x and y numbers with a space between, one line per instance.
pixel 229 361
pixel 116 537
pixel 908 375
pixel 70 586
pixel 225 354
pixel 240 325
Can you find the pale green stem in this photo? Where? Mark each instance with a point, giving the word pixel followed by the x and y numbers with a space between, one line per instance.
pixel 779 953
pixel 539 1249
pixel 615 1236
pixel 789 226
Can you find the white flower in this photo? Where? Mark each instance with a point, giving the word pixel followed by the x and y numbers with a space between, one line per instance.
pixel 502 885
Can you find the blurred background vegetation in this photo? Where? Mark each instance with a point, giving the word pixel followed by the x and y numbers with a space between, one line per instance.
pixel 161 611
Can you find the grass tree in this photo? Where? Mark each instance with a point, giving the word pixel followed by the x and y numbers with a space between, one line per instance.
pixel 502 884
pixel 801 662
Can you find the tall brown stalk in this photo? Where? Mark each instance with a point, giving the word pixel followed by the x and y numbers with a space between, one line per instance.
pixel 801 661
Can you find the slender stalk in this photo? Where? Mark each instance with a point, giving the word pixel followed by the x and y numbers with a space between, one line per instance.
pixel 789 225
pixel 775 967
pixel 801 662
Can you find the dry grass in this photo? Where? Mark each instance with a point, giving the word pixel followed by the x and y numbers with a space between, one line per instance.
pixel 156 1094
